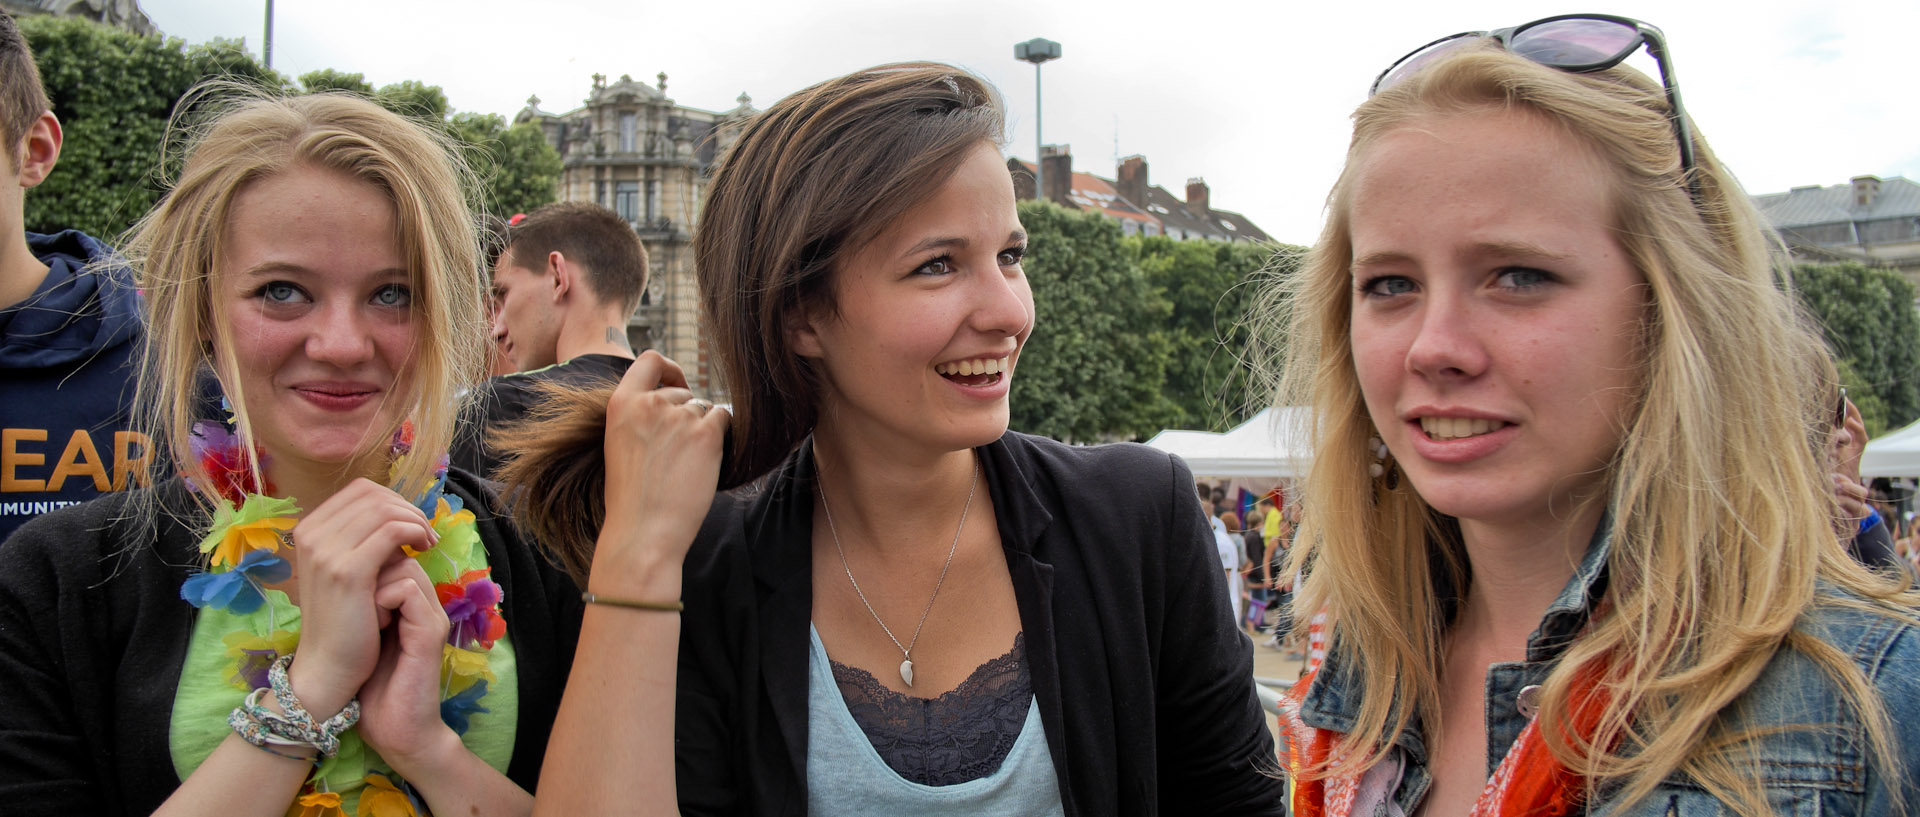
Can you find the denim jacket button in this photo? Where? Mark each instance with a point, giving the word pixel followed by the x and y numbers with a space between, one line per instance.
pixel 1528 701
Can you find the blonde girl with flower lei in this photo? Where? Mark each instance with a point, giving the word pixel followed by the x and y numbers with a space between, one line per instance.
pixel 314 616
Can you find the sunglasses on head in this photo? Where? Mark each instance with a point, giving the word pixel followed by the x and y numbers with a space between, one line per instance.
pixel 1577 44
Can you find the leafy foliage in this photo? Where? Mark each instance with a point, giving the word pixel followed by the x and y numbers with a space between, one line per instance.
pixel 116 92
pixel 1212 288
pixel 1871 325
pixel 1096 366
pixel 518 171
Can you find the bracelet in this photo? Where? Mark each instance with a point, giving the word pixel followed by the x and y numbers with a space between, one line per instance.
pixel 633 604
pixel 251 730
pixel 299 723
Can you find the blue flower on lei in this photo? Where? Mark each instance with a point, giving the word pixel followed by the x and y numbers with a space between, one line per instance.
pixel 241 590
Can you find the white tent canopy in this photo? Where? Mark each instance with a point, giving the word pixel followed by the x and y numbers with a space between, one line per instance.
pixel 1273 444
pixel 1896 454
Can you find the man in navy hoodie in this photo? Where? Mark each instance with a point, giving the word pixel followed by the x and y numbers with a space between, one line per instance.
pixel 70 328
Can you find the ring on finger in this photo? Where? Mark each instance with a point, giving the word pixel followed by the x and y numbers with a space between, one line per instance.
pixel 700 405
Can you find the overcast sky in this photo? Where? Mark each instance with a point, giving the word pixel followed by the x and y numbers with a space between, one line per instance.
pixel 1252 96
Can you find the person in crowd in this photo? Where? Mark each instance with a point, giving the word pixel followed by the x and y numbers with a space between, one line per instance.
pixel 570 275
pixel 314 615
pixel 1232 559
pixel 918 611
pixel 1566 520
pixel 1255 575
pixel 1868 538
pixel 70 327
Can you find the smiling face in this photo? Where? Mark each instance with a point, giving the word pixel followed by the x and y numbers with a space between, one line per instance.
pixel 313 290
pixel 930 317
pixel 1495 317
pixel 526 321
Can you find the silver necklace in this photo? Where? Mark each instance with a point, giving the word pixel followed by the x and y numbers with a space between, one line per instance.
pixel 906 652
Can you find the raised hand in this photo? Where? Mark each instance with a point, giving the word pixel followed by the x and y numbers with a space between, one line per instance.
pixel 400 702
pixel 343 549
pixel 663 467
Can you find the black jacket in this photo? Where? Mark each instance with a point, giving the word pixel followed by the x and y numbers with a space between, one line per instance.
pixel 1144 682
pixel 93 635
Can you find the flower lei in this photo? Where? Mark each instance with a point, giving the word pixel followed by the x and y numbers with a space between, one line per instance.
pixel 243 548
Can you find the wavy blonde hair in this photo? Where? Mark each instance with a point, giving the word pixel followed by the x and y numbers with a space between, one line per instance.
pixel 1720 531
pixel 247 136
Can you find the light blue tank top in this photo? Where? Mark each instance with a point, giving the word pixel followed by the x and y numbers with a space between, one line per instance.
pixel 845 776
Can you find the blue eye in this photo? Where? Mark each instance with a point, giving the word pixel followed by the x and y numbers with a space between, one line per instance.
pixel 280 292
pixel 1524 278
pixel 1387 285
pixel 394 295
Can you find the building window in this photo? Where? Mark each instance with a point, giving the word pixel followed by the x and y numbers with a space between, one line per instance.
pixel 626 200
pixel 629 132
pixel 600 193
pixel 653 199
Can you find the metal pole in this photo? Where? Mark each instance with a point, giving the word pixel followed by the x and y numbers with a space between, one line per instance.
pixel 1039 160
pixel 267 51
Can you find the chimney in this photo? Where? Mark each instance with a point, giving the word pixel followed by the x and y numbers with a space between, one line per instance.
pixel 1865 190
pixel 1197 197
pixel 1022 179
pixel 1056 172
pixel 1133 180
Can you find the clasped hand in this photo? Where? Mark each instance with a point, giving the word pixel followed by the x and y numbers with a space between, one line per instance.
pixel 371 623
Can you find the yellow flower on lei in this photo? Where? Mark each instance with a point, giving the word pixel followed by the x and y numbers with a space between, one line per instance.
pixel 382 799
pixel 317 804
pixel 463 667
pixel 255 525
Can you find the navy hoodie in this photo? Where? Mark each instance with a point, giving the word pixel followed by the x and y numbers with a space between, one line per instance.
pixel 68 356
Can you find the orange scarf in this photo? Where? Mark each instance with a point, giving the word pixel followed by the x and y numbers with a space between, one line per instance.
pixel 1529 781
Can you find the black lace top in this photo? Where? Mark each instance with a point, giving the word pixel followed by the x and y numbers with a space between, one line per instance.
pixel 960 736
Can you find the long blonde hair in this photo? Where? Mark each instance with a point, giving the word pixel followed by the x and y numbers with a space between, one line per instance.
pixel 176 247
pixel 1720 524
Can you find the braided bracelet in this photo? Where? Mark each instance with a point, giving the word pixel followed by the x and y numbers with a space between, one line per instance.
pixel 251 730
pixel 325 735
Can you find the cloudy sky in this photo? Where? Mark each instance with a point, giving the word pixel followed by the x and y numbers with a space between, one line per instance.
pixel 1252 96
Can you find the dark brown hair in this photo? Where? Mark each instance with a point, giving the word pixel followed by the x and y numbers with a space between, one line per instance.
pixel 22 98
pixel 589 235
pixel 813 178
pixel 806 182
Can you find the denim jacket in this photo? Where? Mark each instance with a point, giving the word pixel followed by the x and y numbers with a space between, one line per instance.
pixel 1824 770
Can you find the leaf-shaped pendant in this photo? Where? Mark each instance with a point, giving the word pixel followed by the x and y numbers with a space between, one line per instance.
pixel 906 671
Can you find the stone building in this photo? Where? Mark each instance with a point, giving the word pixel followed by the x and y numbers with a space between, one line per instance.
pixel 1140 207
pixel 634 150
pixel 1871 220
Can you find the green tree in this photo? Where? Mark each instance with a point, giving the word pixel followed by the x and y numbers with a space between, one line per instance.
pixel 518 171
pixel 1870 323
pixel 1096 366
pixel 115 92
pixel 416 99
pixel 1212 287
pixel 327 79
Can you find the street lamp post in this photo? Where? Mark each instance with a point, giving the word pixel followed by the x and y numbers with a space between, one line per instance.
pixel 1036 51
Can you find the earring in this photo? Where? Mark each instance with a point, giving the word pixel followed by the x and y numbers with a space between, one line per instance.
pixel 1382 465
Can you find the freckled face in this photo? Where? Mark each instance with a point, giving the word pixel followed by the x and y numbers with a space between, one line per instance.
pixel 312 287
pixel 930 319
pixel 1495 316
